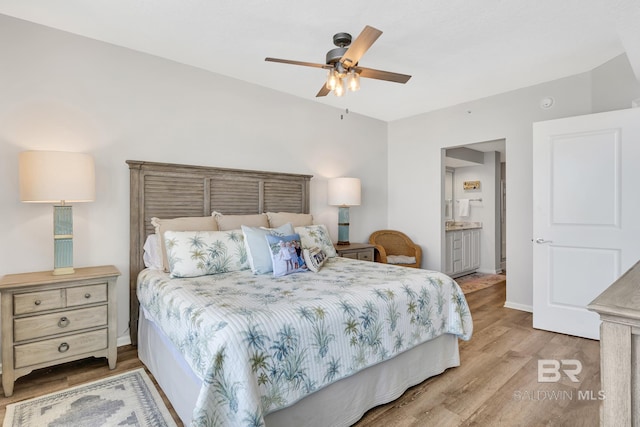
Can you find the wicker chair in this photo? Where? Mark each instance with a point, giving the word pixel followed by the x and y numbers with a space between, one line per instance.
pixel 393 247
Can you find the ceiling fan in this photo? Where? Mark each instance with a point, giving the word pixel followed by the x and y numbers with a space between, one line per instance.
pixel 342 62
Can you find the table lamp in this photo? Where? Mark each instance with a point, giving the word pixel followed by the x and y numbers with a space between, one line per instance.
pixel 343 192
pixel 58 177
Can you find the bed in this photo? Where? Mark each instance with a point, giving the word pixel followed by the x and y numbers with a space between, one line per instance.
pixel 313 349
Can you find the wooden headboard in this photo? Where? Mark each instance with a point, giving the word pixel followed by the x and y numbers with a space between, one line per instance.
pixel 166 190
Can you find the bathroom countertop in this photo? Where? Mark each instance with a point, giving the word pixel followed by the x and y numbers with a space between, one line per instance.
pixel 461 225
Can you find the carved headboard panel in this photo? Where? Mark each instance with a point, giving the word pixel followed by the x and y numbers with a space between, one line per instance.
pixel 166 190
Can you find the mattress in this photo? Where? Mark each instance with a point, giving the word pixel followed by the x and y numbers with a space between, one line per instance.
pixel 257 344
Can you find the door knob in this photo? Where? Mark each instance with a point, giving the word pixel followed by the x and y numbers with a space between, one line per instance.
pixel 540 240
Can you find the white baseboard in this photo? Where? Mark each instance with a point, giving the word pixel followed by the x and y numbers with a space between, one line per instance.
pixel 516 306
pixel 482 271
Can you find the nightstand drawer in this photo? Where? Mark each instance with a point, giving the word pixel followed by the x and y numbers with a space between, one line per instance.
pixel 365 256
pixel 34 302
pixel 58 323
pixel 59 348
pixel 359 251
pixel 82 295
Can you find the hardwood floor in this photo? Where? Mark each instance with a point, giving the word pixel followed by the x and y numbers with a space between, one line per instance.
pixel 495 385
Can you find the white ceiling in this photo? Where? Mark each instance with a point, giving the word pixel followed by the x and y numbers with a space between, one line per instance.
pixel 456 50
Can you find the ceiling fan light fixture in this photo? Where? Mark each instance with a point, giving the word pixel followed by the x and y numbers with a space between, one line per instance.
pixel 353 81
pixel 332 79
pixel 343 66
pixel 339 90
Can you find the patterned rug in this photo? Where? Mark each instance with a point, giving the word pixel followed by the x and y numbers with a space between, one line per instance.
pixel 128 399
pixel 476 281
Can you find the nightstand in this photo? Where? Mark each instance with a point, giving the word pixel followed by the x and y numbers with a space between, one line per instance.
pixel 48 320
pixel 361 251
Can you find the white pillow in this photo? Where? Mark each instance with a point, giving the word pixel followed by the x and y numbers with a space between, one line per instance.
pixel 152 255
pixel 258 248
pixel 400 259
pixel 316 235
pixel 199 253
pixel 233 222
pixel 276 219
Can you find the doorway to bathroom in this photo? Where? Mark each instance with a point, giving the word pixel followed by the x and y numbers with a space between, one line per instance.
pixel 474 198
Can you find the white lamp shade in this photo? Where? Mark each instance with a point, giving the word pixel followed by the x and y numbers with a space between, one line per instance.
pixel 344 192
pixel 56 176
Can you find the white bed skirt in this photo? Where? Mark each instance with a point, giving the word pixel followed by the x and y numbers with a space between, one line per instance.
pixel 339 404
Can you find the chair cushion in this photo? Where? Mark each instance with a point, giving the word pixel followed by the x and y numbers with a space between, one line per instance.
pixel 401 259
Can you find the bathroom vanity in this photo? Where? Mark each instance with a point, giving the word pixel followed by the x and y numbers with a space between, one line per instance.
pixel 462 247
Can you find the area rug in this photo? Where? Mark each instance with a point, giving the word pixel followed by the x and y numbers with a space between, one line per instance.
pixel 476 281
pixel 128 399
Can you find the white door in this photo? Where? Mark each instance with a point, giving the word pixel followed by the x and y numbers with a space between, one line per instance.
pixel 586 214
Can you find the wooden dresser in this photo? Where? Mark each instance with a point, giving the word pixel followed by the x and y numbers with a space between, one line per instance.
pixel 619 310
pixel 48 320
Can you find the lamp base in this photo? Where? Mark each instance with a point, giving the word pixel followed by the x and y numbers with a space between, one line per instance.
pixel 62 240
pixel 343 243
pixel 343 225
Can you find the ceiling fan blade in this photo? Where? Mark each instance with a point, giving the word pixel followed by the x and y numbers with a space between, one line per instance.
pixel 324 91
pixel 306 64
pixel 370 73
pixel 359 46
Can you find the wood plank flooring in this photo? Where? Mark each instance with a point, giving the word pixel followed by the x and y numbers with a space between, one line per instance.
pixel 495 385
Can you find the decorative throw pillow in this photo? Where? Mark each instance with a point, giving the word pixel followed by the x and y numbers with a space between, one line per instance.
pixel 276 219
pixel 196 223
pixel 257 247
pixel 314 258
pixel 199 253
pixel 234 222
pixel 286 254
pixel 316 235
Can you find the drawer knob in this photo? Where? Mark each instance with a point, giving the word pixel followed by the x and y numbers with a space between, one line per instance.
pixel 63 347
pixel 37 302
pixel 87 295
pixel 63 322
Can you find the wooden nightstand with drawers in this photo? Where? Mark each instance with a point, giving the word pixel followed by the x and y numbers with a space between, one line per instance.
pixel 48 320
pixel 361 251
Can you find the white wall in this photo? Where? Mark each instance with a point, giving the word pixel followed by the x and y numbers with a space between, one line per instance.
pixel 415 157
pixel 68 93
pixel 64 92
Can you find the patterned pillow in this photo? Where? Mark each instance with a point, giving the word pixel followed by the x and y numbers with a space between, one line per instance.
pixel 199 253
pixel 258 248
pixel 316 235
pixel 198 223
pixel 314 258
pixel 286 254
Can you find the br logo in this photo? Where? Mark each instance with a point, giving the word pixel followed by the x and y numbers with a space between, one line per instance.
pixel 549 370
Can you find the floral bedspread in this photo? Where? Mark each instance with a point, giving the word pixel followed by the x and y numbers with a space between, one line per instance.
pixel 261 343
